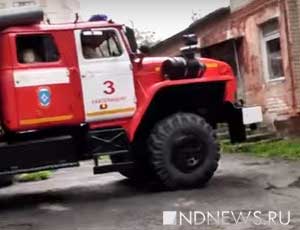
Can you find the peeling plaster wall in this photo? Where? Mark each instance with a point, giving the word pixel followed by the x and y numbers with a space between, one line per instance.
pixel 276 97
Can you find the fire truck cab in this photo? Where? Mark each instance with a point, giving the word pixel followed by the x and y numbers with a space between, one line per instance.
pixel 77 91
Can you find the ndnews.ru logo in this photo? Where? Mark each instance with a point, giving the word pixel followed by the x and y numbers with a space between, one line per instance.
pixel 257 218
pixel 170 218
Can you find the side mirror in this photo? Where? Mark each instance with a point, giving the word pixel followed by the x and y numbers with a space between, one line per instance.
pixel 131 39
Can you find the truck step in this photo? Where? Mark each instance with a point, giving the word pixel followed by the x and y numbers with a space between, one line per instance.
pixel 261 136
pixel 113 167
pixel 120 152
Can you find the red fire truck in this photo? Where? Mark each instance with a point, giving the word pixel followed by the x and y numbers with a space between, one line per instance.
pixel 77 91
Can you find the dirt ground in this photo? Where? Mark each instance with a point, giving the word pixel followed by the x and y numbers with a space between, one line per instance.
pixel 74 199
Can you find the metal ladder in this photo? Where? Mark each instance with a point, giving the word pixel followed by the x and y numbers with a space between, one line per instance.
pixel 109 142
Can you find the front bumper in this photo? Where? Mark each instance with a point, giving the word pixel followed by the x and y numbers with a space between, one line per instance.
pixel 238 117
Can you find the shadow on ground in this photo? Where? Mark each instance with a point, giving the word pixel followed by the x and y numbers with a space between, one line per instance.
pixel 119 189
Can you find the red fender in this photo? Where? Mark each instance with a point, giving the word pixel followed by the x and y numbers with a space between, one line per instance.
pixel 132 126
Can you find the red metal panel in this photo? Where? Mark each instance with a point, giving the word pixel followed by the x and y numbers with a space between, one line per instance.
pixel 21 107
pixel 148 81
pixel 61 110
pixel 8 100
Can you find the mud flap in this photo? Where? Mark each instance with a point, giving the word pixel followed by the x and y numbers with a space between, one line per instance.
pixel 237 129
pixel 234 119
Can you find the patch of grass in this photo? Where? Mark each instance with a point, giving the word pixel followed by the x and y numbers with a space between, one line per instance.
pixel 36 176
pixel 104 160
pixel 286 149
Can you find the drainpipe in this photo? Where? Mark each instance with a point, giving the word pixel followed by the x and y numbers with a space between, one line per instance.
pixel 290 55
pixel 239 72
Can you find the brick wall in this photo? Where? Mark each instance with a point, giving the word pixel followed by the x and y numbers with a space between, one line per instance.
pixel 276 97
pixel 293 12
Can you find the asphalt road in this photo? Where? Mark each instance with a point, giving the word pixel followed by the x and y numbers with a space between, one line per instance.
pixel 74 199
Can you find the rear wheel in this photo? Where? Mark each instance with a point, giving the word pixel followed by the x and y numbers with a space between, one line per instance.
pixel 184 151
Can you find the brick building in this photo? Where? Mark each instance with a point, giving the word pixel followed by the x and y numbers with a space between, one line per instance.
pixel 260 39
pixel 55 10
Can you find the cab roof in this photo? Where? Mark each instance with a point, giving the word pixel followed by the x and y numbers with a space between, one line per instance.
pixel 43 27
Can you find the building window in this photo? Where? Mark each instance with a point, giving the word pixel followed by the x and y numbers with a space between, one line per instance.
pixel 271 49
pixel 24 3
pixel 36 48
pixel 100 44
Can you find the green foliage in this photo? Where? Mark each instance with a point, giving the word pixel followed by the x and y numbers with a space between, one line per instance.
pixel 146 38
pixel 37 176
pixel 286 149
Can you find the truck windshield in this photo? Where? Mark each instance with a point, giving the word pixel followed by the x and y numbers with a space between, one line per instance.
pixel 100 44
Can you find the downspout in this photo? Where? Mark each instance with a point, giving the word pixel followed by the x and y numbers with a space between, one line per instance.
pixel 290 55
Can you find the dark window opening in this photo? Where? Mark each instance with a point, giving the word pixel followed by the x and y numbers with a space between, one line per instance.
pixel 272 56
pixel 36 48
pixel 100 44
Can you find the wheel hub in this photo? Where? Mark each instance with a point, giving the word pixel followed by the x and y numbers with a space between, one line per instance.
pixel 193 161
pixel 188 153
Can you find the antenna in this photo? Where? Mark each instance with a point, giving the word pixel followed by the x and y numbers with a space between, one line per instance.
pixel 76 18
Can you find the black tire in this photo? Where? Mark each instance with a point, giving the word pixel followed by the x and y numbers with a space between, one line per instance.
pixel 6 181
pixel 184 151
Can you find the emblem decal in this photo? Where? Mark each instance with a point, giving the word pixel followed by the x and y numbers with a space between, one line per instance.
pixel 44 96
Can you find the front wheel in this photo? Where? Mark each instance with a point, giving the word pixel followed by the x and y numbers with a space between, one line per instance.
pixel 184 151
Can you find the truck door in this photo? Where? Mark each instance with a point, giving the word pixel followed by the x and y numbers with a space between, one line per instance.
pixel 106 75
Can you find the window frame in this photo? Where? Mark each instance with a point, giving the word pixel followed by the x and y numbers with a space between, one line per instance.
pixel 38 63
pixel 121 43
pixel 265 38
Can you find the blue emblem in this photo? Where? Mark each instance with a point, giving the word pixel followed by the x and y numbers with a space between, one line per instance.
pixel 44 95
